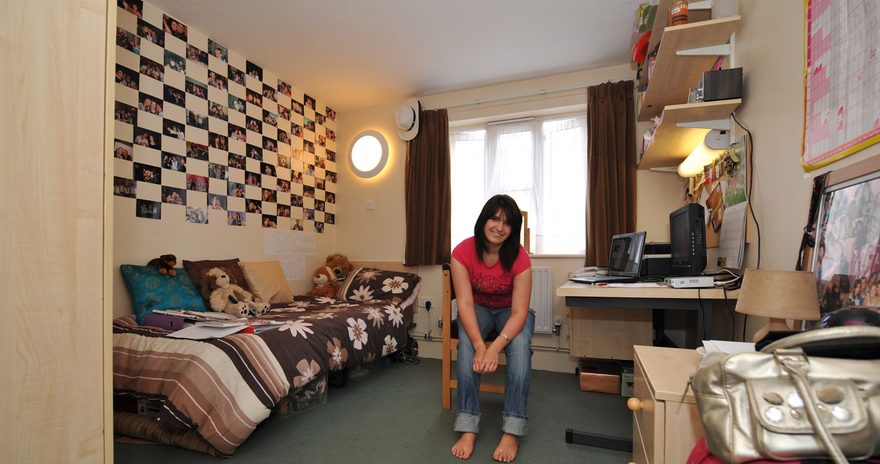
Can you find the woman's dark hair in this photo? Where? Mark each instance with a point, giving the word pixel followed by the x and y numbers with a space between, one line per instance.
pixel 510 248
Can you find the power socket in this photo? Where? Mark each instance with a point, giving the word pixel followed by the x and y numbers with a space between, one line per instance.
pixel 424 300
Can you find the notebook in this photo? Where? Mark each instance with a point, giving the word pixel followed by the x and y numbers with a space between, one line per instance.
pixel 624 260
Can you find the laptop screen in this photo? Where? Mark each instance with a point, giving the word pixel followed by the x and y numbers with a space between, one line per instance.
pixel 625 258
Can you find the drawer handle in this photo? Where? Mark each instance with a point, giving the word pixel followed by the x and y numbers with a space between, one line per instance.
pixel 634 404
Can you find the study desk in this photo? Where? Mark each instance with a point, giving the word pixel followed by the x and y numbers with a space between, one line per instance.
pixel 657 299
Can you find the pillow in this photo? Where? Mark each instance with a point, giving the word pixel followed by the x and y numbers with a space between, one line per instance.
pixel 199 269
pixel 150 290
pixel 266 281
pixel 370 284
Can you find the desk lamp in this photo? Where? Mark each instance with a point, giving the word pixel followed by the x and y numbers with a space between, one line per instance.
pixel 779 295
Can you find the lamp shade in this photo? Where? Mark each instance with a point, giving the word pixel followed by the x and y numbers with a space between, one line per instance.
pixel 779 294
pixel 700 157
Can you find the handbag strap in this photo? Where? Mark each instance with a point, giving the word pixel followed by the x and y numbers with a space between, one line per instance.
pixel 865 336
pixel 796 363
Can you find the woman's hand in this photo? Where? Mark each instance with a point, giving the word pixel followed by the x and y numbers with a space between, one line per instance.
pixel 486 359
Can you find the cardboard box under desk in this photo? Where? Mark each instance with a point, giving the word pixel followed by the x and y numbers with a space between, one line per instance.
pixel 599 376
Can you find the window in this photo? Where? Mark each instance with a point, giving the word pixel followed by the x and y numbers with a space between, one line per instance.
pixel 540 162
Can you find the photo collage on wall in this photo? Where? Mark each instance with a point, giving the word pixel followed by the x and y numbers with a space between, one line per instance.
pixel 203 134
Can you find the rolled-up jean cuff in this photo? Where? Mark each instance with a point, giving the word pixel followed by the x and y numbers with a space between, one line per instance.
pixel 465 422
pixel 514 425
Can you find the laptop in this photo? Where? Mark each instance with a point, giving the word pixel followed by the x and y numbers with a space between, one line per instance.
pixel 624 260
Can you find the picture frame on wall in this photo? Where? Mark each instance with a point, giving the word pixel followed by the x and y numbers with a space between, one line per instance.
pixel 846 259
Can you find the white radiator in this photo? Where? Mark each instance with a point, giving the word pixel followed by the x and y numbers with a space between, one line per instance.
pixel 542 298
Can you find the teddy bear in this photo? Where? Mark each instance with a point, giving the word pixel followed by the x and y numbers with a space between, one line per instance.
pixel 164 264
pixel 325 283
pixel 229 298
pixel 339 264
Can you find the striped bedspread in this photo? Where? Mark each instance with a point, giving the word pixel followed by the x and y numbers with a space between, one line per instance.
pixel 221 389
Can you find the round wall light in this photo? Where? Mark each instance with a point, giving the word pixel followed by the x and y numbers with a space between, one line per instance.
pixel 369 154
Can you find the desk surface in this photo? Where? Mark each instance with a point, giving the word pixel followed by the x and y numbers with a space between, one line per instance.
pixel 575 289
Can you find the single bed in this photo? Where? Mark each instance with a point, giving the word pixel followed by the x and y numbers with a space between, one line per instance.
pixel 210 395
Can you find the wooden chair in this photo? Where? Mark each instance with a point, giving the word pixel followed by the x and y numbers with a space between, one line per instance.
pixel 450 343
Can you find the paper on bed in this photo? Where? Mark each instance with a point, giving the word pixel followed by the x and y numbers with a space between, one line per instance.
pixel 202 332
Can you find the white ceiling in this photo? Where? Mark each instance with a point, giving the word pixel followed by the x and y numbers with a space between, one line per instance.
pixel 359 53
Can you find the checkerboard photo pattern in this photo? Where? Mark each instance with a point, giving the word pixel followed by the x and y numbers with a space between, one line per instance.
pixel 205 134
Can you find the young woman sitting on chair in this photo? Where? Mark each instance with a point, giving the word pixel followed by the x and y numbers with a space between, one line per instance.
pixel 492 277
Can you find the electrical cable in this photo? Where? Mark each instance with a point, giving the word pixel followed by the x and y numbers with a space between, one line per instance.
pixel 750 151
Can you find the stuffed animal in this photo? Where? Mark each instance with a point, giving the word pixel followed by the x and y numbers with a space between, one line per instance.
pixel 165 265
pixel 325 283
pixel 339 264
pixel 229 298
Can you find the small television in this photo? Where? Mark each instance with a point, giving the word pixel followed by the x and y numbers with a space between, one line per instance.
pixel 687 236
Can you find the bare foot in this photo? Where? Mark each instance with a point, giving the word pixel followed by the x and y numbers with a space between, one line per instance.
pixel 507 447
pixel 463 448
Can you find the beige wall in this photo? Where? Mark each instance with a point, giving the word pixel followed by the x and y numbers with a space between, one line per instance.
pixel 55 387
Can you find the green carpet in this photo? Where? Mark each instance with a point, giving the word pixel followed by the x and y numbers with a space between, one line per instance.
pixel 393 415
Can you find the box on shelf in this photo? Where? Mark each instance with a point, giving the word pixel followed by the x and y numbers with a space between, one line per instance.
pixel 595 375
pixel 310 395
pixel 627 381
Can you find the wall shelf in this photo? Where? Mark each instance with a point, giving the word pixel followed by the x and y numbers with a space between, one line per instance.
pixel 675 69
pixel 673 143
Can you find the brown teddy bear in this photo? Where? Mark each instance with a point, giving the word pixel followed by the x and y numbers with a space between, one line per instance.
pixel 226 297
pixel 165 265
pixel 325 283
pixel 339 264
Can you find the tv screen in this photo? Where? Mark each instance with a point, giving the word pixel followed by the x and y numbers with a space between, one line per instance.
pixel 687 231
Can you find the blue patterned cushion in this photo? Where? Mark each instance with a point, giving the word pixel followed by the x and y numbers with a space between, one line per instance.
pixel 150 290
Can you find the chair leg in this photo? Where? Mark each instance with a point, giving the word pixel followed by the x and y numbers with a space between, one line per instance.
pixel 446 393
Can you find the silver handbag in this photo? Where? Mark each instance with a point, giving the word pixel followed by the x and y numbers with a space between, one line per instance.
pixel 792 400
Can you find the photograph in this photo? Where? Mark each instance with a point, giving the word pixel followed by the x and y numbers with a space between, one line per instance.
pixel 236 75
pixel 196 88
pixel 197 151
pixel 283 185
pixel 217 201
pixel 235 189
pixel 267 169
pixel 331 177
pixel 270 195
pixel 217 51
pixel 150 104
pixel 218 141
pixel 236 161
pixel 283 137
pixel 309 124
pixel 252 178
pixel 128 41
pixel 174 96
pixel 217 81
pixel 322 140
pixel 125 113
pixel 151 33
pixel 269 144
pixel 296 200
pixel 174 27
pixel 147 138
pixel 217 171
pixel 147 173
pixel 309 213
pixel 253 206
pixel 319 119
pixel 196 120
pixel 196 215
pixel 269 92
pixel 319 184
pixel 218 111
pixel 308 191
pixel 270 221
pixel 173 162
pixel 330 197
pixel 297 177
pixel 297 107
pixel 173 129
pixel 149 209
pixel 174 61
pixel 284 112
pixel 330 218
pixel 253 98
pixel 331 114
pixel 319 205
pixel 174 196
pixel 237 133
pixel 197 55
pixel 254 152
pixel 284 87
pixel 283 211
pixel 331 135
pixel 296 130
pixel 236 218
pixel 236 103
pixel 283 161
pixel 309 146
pixel 319 227
pixel 297 225
pixel 123 187
pixel 127 77
pixel 309 102
pixel 331 155
pixel 122 149
pixel 254 124
pixel 152 69
pixel 254 71
pixel 196 183
pixel 270 118
pixel 135 7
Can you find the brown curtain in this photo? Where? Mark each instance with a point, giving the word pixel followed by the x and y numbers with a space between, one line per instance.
pixel 611 165
pixel 428 200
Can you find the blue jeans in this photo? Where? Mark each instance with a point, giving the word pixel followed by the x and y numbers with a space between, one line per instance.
pixel 519 373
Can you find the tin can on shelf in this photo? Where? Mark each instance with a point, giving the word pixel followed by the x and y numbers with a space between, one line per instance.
pixel 678 13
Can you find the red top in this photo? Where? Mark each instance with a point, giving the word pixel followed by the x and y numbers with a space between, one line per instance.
pixel 492 286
